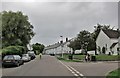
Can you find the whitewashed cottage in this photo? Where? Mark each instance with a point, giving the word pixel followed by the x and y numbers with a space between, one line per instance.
pixel 58 48
pixel 107 42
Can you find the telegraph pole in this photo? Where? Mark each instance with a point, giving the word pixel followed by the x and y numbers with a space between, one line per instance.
pixel 61 42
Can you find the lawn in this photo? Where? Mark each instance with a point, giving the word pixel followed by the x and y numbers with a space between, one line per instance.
pixel 98 57
pixel 107 57
pixel 80 57
pixel 114 74
pixel 67 60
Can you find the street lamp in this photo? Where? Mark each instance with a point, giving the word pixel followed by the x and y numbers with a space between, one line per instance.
pixel 86 44
pixel 61 42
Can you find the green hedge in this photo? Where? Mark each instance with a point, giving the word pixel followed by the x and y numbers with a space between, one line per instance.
pixel 15 50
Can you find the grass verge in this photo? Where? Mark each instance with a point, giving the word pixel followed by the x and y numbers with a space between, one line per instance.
pixel 98 57
pixel 114 74
pixel 67 60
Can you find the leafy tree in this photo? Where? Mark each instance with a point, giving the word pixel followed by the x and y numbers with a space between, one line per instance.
pixel 98 28
pixel 38 48
pixel 83 41
pixel 16 29
pixel 0 30
pixel 74 45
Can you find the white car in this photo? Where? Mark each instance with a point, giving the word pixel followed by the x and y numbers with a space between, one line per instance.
pixel 26 57
pixel 31 54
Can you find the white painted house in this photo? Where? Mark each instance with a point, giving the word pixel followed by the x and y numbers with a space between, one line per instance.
pixel 58 48
pixel 107 39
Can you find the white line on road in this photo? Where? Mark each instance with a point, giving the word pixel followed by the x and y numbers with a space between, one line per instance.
pixel 72 70
pixel 75 70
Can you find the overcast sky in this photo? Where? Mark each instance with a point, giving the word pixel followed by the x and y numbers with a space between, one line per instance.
pixel 52 19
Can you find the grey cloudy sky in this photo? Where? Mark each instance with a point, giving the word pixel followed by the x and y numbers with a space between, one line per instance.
pixel 52 19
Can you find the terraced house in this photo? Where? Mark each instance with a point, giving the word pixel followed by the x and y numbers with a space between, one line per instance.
pixel 107 42
pixel 58 48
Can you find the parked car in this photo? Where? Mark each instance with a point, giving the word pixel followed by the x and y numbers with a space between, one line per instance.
pixel 31 54
pixel 26 57
pixel 12 60
pixel 52 54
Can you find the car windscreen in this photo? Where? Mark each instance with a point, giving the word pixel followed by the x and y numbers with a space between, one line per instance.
pixel 24 55
pixel 17 57
pixel 8 57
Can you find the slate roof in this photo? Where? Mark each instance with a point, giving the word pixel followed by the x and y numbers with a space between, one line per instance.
pixel 112 33
pixel 57 45
pixel 52 46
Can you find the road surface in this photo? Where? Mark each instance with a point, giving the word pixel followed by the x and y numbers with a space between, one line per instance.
pixel 47 66
pixel 93 68
pixel 50 66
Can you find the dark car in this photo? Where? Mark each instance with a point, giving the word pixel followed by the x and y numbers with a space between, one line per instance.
pixel 52 54
pixel 12 60
pixel 31 54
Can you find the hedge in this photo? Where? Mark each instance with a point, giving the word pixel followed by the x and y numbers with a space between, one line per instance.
pixel 13 50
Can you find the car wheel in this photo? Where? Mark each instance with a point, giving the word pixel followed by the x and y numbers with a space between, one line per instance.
pixel 3 66
pixel 17 64
pixel 22 62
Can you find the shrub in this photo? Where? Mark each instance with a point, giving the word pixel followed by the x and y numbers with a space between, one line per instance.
pixel 13 50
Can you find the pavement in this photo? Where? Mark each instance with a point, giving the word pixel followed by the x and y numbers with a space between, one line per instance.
pixel 50 66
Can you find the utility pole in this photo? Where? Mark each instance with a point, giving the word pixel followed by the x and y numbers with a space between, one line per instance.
pixel 61 42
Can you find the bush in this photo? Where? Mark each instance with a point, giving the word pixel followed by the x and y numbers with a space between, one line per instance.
pixel 13 50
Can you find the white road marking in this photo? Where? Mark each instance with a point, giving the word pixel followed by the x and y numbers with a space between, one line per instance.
pixel 76 71
pixel 72 70
pixel 75 74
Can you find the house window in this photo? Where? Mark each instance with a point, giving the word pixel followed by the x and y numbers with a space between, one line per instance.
pixel 118 49
pixel 99 49
pixel 103 50
pixel 106 46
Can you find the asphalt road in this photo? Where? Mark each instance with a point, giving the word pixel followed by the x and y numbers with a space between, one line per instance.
pixel 47 66
pixel 50 66
pixel 93 68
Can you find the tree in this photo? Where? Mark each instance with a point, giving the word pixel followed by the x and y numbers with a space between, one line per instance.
pixel 16 29
pixel 98 27
pixel 83 41
pixel 38 48
pixel 0 30
pixel 74 45
pixel 84 38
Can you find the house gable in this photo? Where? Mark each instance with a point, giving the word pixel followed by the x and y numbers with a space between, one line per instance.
pixel 102 37
pixel 107 39
pixel 103 41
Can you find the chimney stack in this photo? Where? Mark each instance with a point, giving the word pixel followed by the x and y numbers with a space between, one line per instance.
pixel 66 39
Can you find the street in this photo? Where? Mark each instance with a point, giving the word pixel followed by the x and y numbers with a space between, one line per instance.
pixel 50 66
pixel 47 66
pixel 94 68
